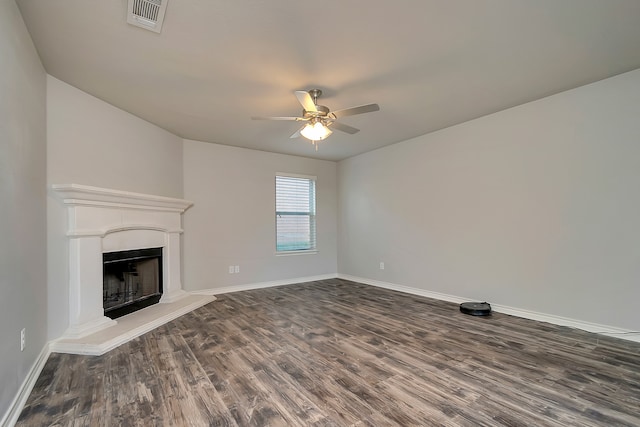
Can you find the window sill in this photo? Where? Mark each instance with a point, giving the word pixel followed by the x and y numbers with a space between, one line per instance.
pixel 292 253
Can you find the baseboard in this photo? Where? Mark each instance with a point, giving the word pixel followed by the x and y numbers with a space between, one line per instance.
pixel 406 289
pixel 610 331
pixel 261 285
pixel 13 413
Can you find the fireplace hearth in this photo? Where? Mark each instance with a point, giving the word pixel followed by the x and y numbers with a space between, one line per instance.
pixel 132 280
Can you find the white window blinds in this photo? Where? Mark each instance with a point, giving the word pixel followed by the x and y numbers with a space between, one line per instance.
pixel 295 213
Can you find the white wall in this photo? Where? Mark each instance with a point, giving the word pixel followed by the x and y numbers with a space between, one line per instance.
pixel 94 143
pixel 232 221
pixel 535 207
pixel 22 206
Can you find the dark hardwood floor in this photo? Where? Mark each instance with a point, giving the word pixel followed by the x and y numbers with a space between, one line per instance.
pixel 338 353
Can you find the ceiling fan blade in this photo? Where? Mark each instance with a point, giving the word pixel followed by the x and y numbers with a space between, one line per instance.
pixel 356 110
pixel 277 118
pixel 344 128
pixel 297 133
pixel 305 100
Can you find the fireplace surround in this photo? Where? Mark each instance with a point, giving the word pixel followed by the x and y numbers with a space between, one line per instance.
pixel 101 220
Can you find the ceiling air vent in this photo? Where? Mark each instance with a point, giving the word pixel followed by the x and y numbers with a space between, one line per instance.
pixel 147 14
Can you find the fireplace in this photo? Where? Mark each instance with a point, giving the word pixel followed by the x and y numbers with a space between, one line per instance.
pixel 102 221
pixel 132 280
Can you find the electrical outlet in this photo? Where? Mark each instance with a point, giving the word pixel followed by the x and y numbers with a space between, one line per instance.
pixel 381 265
pixel 23 339
pixel 231 269
pixel 237 269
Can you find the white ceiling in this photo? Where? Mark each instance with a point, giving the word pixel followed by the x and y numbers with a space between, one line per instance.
pixel 429 64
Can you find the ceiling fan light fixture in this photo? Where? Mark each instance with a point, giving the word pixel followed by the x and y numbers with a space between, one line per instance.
pixel 316 131
pixel 318 118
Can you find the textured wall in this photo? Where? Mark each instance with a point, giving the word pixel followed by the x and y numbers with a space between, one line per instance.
pixel 535 207
pixel 23 203
pixel 232 221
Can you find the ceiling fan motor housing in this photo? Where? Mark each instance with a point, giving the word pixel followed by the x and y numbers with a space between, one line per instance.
pixel 322 112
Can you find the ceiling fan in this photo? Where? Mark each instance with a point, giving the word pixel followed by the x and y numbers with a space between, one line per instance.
pixel 319 119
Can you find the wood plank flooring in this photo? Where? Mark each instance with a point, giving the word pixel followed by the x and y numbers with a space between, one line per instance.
pixel 339 353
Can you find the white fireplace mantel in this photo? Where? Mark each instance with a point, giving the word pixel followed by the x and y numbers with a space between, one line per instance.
pixel 103 220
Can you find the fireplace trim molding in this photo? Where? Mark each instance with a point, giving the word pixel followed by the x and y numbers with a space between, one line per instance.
pixel 105 220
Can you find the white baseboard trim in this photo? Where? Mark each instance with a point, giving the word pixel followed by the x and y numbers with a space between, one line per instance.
pixel 405 289
pixel 610 331
pixel 11 416
pixel 261 285
pixel 596 328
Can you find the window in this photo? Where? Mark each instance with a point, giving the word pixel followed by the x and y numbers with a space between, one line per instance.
pixel 295 213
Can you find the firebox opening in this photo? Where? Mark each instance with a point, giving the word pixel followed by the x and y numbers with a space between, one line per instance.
pixel 132 280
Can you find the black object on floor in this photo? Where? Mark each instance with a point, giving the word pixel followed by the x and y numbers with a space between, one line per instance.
pixel 476 308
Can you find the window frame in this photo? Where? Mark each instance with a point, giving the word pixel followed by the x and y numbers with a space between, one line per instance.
pixel 313 214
